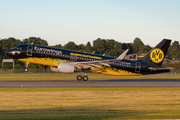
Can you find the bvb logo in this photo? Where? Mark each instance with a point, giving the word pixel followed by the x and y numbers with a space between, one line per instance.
pixel 157 55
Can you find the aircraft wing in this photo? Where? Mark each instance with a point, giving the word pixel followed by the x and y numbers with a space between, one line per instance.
pixel 93 64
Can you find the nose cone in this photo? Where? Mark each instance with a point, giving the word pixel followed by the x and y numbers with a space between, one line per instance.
pixel 12 53
pixel 8 52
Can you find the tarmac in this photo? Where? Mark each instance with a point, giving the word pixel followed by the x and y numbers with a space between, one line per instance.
pixel 94 83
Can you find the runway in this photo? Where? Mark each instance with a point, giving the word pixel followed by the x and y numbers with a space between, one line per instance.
pixel 94 83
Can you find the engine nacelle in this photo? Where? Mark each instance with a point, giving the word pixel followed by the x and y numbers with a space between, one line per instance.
pixel 66 68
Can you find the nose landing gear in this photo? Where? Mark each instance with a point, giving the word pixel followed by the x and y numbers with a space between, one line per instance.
pixel 27 63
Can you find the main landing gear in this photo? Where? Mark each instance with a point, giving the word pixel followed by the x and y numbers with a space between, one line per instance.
pixel 84 78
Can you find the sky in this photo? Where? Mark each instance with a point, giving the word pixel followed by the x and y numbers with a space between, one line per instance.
pixel 80 21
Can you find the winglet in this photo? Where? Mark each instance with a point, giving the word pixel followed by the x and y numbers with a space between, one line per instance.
pixel 121 56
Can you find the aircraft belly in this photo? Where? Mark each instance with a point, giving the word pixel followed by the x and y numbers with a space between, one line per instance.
pixel 119 72
pixel 43 61
pixel 110 71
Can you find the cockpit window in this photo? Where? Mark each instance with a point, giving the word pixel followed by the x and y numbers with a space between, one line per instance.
pixel 19 48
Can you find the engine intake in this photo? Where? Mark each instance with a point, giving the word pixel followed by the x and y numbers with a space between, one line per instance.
pixel 67 68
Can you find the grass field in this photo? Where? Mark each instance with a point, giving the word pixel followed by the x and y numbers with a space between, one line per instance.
pixel 57 76
pixel 89 103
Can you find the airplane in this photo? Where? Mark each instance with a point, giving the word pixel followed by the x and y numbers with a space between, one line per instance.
pixel 69 61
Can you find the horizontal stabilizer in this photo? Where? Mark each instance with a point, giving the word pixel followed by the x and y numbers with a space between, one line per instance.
pixel 156 68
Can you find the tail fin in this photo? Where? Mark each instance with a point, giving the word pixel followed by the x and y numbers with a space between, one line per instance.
pixel 156 55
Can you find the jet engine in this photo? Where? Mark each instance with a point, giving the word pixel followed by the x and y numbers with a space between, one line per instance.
pixel 67 68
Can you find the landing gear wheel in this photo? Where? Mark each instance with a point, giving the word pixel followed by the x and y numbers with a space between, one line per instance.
pixel 85 78
pixel 79 77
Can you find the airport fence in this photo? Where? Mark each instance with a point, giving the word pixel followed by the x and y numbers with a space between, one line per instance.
pixel 175 71
pixel 23 71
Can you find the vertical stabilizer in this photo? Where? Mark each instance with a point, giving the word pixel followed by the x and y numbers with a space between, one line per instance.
pixel 156 55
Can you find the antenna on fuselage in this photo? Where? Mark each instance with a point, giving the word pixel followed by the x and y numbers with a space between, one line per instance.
pixel 93 52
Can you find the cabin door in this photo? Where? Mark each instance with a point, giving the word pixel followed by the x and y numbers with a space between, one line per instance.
pixel 29 50
pixel 137 67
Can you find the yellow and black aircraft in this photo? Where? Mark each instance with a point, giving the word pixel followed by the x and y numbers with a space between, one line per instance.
pixel 69 61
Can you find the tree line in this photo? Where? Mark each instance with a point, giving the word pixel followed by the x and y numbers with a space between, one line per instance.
pixel 108 47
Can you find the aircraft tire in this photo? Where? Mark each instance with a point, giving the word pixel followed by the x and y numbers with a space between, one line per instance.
pixel 79 77
pixel 85 78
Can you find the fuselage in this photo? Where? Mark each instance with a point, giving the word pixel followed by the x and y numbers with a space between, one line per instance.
pixel 52 56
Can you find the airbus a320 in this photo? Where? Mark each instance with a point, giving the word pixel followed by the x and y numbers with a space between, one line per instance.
pixel 69 61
